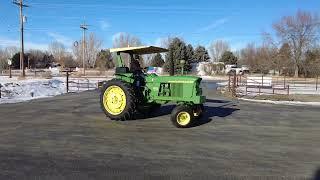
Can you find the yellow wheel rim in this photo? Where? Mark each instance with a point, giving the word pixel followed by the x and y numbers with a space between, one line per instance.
pixel 114 100
pixel 183 118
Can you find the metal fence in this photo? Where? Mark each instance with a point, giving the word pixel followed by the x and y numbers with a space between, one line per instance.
pixel 273 85
pixel 0 89
pixel 84 84
pixel 29 72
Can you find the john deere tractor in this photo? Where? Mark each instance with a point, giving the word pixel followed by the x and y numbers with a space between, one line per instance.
pixel 132 91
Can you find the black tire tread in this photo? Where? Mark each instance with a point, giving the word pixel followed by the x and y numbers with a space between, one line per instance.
pixel 129 111
pixel 178 109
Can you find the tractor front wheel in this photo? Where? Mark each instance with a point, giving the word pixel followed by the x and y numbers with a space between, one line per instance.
pixel 182 116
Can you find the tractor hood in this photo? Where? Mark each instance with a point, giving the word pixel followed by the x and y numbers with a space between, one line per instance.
pixel 173 79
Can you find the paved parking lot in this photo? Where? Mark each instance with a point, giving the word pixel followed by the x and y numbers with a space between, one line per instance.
pixel 68 137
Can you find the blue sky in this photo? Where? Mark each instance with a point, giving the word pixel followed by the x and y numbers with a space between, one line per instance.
pixel 197 22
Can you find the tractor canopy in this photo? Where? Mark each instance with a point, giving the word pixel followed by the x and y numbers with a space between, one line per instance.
pixel 140 50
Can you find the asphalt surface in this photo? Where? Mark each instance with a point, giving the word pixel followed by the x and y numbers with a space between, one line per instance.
pixel 68 137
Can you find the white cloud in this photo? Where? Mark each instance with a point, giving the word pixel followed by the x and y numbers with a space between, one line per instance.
pixel 61 38
pixel 104 25
pixel 213 25
pixel 5 42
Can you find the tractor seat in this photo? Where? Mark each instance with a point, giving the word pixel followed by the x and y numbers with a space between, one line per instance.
pixel 121 70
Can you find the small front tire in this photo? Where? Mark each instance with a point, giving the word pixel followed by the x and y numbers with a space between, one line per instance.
pixel 182 116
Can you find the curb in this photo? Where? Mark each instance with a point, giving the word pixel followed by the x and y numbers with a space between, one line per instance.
pixel 292 103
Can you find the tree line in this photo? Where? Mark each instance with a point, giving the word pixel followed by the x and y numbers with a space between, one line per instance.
pixel 291 49
pixel 57 54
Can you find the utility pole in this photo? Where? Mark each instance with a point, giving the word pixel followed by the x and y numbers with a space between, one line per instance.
pixel 20 4
pixel 84 27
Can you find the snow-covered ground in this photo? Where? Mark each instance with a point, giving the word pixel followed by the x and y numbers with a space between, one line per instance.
pixel 16 90
pixel 219 78
pixel 294 103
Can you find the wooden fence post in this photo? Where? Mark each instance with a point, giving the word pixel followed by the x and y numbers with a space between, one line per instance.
pixel 284 81
pixel 317 83
pixel 238 80
pixel 234 85
pixel 78 85
pixel 229 83
pixel 259 90
pixel 67 81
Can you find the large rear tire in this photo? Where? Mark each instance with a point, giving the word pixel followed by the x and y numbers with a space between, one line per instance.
pixel 117 100
pixel 182 116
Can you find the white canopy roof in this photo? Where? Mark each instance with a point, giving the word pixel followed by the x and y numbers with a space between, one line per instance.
pixel 140 50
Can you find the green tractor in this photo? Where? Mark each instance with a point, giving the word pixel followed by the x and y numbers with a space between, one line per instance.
pixel 132 91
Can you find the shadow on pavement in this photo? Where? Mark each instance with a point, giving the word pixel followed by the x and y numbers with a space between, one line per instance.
pixel 210 112
pixel 219 111
pixel 162 111
pixel 216 101
pixel 317 175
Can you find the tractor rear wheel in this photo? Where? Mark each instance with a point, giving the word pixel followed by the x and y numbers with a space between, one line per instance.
pixel 117 100
pixel 182 116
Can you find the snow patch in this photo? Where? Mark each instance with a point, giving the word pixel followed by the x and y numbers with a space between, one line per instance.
pixel 295 103
pixel 15 90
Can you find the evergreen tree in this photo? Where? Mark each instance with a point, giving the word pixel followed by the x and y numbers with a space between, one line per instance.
pixel 104 60
pixel 16 61
pixel 229 58
pixel 177 52
pixel 190 53
pixel 201 54
pixel 157 60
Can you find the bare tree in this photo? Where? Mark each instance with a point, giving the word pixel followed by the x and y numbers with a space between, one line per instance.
pixel 5 54
pixel 3 63
pixel 165 42
pixel 283 60
pixel 217 49
pixel 78 53
pixel 11 50
pixel 265 57
pixel 93 48
pixel 248 56
pixel 126 40
pixel 300 32
pixel 69 61
pixel 58 51
pixel 259 59
pixel 34 58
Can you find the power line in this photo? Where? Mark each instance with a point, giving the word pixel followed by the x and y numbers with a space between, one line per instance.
pixel 21 5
